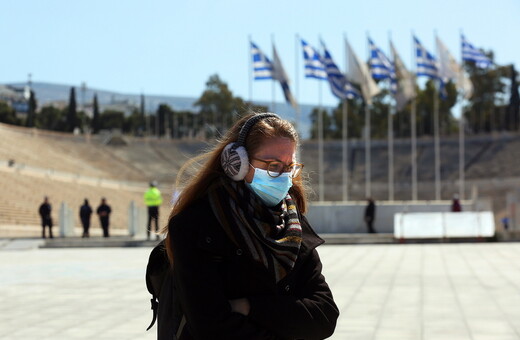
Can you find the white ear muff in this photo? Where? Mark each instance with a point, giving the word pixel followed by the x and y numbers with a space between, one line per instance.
pixel 234 161
pixel 234 158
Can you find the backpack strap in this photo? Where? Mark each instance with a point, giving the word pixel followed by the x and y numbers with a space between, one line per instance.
pixel 156 271
pixel 155 306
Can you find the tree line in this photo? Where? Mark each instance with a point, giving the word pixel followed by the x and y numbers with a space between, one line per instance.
pixel 494 106
pixel 218 108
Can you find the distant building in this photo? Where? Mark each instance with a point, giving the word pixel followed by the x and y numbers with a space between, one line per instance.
pixel 16 97
pixel 127 106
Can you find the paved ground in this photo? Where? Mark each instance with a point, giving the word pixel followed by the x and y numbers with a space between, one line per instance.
pixel 426 291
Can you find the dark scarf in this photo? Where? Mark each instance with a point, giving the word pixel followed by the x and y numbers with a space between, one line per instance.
pixel 271 236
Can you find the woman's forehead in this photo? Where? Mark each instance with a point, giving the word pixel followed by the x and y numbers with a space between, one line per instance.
pixel 277 148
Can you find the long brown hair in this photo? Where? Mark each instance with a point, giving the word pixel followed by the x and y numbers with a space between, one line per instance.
pixel 197 184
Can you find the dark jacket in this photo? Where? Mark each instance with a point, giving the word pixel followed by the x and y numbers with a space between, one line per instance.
pixel 45 211
pixel 84 212
pixel 370 211
pixel 209 270
pixel 104 211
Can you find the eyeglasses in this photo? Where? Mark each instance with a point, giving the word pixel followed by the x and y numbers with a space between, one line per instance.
pixel 276 168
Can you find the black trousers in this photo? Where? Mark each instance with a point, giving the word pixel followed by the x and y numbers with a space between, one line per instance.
pixel 86 226
pixel 104 224
pixel 153 215
pixel 370 224
pixel 47 222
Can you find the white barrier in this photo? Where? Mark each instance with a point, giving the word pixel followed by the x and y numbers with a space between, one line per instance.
pixel 137 219
pixel 440 225
pixel 66 221
pixel 347 217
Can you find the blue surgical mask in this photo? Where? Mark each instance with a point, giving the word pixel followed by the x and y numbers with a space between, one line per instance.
pixel 272 190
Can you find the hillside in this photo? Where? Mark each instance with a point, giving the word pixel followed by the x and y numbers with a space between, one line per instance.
pixel 51 93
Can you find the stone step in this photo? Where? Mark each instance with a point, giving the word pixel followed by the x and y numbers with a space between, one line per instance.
pixel 98 242
pixel 358 238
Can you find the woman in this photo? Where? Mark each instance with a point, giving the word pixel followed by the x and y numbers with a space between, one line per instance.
pixel 244 258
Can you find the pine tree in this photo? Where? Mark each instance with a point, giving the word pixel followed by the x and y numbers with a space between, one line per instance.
pixel 31 112
pixel 514 101
pixel 95 115
pixel 72 117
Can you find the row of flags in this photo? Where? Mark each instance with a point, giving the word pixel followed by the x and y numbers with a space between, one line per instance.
pixel 321 66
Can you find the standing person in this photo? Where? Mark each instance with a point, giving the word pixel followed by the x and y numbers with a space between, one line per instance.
pixel 153 199
pixel 104 216
pixel 45 214
pixel 455 204
pixel 370 215
pixel 243 254
pixel 84 214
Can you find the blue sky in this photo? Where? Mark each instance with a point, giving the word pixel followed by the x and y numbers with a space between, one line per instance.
pixel 172 47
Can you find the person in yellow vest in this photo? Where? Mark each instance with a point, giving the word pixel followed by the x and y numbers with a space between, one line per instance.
pixel 153 199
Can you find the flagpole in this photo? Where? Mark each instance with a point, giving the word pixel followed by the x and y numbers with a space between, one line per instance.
pixel 320 146
pixel 345 138
pixel 461 153
pixel 273 92
pixel 413 124
pixel 436 143
pixel 297 87
pixel 297 90
pixel 368 170
pixel 461 136
pixel 413 127
pixel 345 149
pixel 436 136
pixel 273 109
pixel 390 153
pixel 250 71
pixel 391 139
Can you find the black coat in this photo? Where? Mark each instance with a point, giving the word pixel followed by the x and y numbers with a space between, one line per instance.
pixel 45 211
pixel 84 212
pixel 209 270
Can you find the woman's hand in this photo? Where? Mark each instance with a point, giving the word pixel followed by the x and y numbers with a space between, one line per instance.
pixel 240 306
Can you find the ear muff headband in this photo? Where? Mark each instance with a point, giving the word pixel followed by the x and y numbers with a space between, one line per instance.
pixel 244 131
pixel 234 158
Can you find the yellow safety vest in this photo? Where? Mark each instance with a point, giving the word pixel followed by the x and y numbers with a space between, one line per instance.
pixel 152 197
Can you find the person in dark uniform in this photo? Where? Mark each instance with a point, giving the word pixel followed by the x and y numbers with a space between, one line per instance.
pixel 84 214
pixel 370 215
pixel 455 204
pixel 104 216
pixel 45 214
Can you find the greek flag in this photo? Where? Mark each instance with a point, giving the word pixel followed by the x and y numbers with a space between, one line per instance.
pixel 262 66
pixel 339 85
pixel 381 67
pixel 426 63
pixel 471 53
pixel 314 67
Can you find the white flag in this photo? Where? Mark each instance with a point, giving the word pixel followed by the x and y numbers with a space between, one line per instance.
pixel 280 75
pixel 449 69
pixel 465 84
pixel 358 72
pixel 405 81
